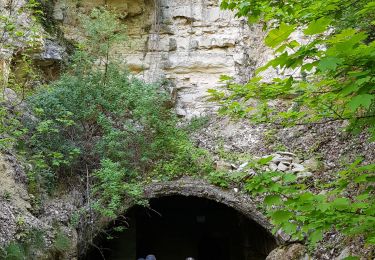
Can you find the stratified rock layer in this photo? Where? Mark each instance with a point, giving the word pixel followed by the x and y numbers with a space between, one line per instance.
pixel 190 43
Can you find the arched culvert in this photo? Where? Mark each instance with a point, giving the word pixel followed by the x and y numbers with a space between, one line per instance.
pixel 196 219
pixel 202 189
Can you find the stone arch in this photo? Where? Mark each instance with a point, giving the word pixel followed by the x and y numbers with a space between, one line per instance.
pixel 190 190
pixel 242 203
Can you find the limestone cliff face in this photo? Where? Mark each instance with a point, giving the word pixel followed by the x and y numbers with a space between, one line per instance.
pixel 188 42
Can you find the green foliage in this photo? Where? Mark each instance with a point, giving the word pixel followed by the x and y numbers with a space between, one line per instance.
pixel 100 125
pixel 31 246
pixel 81 120
pixel 13 251
pixel 61 242
pixel 26 248
pixel 113 184
pixel 351 258
pixel 186 160
pixel 11 30
pixel 106 126
pixel 328 77
pixel 103 29
pixel 219 178
pixel 84 124
pixel 11 110
pixel 302 213
pixel 197 123
pixel 279 35
pixel 10 129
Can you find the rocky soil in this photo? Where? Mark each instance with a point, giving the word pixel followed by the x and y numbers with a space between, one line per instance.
pixel 324 147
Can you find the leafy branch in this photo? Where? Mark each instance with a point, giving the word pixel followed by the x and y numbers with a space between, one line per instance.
pixel 332 73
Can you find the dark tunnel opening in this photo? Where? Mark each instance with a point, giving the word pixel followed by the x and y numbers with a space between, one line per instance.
pixel 178 227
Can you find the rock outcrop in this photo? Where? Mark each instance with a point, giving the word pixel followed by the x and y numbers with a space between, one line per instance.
pixel 188 43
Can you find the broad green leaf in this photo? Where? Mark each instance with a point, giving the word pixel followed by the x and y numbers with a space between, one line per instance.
pixel 272 200
pixel 307 196
pixel 347 46
pixel 224 5
pixel 281 48
pixel 293 44
pixel 341 203
pixel 359 205
pixel 289 228
pixel 363 196
pixel 289 177
pixel 323 206
pixel 370 7
pixel 345 34
pixel 329 63
pixel 280 60
pixel 317 26
pixel 278 35
pixel 371 240
pixel 265 160
pixel 348 89
pixel 361 178
pixel 362 100
pixel 316 236
pixel 369 167
pixel 309 66
pixel 280 216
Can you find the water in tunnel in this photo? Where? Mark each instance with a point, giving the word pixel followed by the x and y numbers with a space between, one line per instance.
pixel 178 227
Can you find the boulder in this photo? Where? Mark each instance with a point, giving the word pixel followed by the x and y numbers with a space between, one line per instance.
pixel 50 53
pixel 283 167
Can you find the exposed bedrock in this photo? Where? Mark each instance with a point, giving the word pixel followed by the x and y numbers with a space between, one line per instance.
pixel 190 43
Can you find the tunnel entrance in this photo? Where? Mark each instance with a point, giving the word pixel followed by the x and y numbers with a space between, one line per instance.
pixel 177 227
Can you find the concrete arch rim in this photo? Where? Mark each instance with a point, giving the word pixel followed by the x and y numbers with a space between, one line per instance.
pixel 190 187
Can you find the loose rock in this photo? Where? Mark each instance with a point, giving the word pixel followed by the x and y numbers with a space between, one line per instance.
pixel 283 167
pixel 297 167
